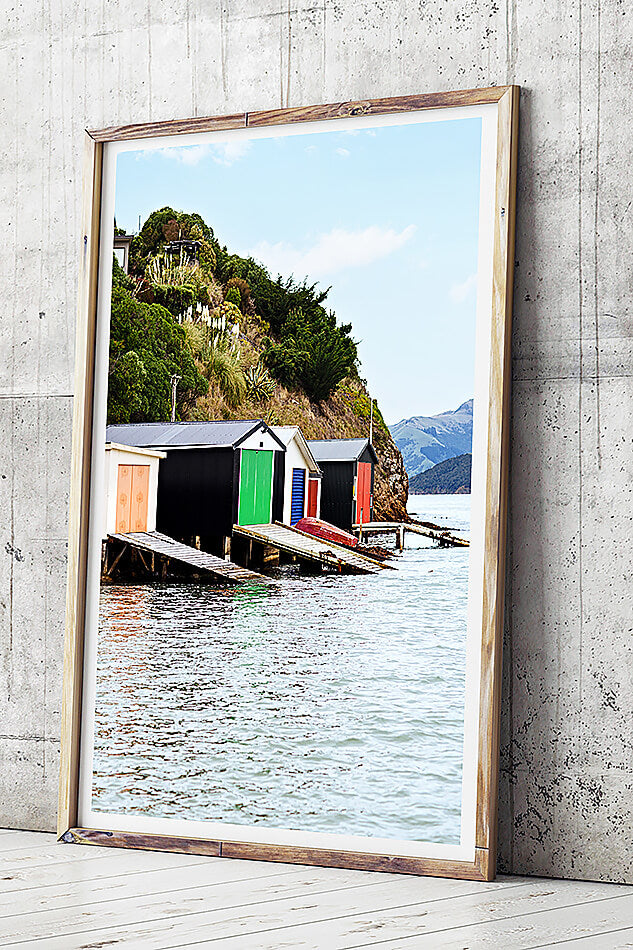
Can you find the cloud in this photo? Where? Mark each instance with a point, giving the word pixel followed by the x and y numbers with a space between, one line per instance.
pixel 370 132
pixel 225 153
pixel 343 152
pixel 460 292
pixel 332 252
pixel 222 153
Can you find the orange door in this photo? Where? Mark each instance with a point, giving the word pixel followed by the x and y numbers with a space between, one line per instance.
pixel 140 491
pixel 123 498
pixel 132 498
pixel 313 490
pixel 363 493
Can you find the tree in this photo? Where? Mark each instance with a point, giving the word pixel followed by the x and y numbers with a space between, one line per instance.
pixel 153 235
pixel 274 300
pixel 147 347
pixel 313 352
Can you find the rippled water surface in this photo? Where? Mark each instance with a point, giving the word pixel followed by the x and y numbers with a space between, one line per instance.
pixel 330 703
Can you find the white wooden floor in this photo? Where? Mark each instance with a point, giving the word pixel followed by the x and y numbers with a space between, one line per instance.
pixel 66 897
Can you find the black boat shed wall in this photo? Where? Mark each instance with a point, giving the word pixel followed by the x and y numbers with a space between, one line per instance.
pixel 338 459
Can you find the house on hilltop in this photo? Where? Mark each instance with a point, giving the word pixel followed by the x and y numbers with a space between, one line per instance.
pixel 122 245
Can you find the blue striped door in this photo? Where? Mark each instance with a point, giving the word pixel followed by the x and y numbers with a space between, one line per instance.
pixel 298 494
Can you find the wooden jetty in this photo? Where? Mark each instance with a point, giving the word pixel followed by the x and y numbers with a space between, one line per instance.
pixel 444 537
pixel 306 547
pixel 155 543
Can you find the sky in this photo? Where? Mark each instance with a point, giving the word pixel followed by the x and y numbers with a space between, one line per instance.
pixel 386 217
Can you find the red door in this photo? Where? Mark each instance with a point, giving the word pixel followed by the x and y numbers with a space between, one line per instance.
pixel 363 493
pixel 313 494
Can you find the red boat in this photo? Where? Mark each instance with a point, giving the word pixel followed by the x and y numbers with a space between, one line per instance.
pixel 326 531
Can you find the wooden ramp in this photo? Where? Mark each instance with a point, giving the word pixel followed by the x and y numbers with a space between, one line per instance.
pixel 157 543
pixel 309 548
pixel 444 537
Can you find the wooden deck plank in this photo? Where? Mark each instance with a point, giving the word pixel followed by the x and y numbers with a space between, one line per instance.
pixel 57 875
pixel 620 939
pixel 306 546
pixel 101 897
pixel 158 543
pixel 368 916
pixel 25 860
pixel 95 864
pixel 258 911
pixel 14 840
pixel 220 884
pixel 605 921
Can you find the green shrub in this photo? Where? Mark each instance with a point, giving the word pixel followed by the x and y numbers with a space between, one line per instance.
pixel 244 291
pixel 174 299
pixel 233 296
pixel 119 277
pixel 259 383
pixel 229 312
pixel 152 236
pixel 216 352
pixel 224 367
pixel 206 252
pixel 147 346
pixel 313 352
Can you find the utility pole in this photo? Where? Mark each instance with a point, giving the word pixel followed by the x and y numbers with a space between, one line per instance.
pixel 174 385
pixel 371 421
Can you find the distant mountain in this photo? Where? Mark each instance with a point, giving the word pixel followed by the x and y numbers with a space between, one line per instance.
pixel 426 440
pixel 451 477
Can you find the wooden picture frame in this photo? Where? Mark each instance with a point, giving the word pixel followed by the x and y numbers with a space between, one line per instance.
pixel 482 864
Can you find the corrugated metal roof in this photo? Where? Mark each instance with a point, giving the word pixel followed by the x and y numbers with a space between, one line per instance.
pixel 337 450
pixel 182 434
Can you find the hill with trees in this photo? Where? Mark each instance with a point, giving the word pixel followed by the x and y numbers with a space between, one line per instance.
pixel 451 477
pixel 244 344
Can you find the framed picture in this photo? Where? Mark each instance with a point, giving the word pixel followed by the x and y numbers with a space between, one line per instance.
pixel 288 501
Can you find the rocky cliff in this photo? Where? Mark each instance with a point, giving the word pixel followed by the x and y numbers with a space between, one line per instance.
pixel 391 482
pixel 345 415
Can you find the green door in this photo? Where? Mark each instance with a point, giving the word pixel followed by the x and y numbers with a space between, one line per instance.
pixel 256 485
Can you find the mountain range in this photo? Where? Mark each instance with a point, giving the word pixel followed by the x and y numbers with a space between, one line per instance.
pixel 426 440
pixel 450 477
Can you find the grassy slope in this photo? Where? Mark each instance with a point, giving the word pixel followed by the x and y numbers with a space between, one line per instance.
pixel 344 415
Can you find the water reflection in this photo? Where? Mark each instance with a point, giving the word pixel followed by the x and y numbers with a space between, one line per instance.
pixel 323 703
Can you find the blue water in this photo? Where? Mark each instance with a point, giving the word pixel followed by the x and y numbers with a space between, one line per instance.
pixel 324 703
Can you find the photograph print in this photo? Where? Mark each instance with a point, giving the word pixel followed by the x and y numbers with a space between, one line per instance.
pixel 289 421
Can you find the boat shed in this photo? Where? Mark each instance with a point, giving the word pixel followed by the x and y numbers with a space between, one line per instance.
pixel 302 482
pixel 347 486
pixel 131 483
pixel 214 475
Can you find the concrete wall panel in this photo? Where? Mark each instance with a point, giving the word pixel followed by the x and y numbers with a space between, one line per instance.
pixel 566 803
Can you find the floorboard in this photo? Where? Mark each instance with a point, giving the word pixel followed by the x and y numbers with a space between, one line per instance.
pixel 73 897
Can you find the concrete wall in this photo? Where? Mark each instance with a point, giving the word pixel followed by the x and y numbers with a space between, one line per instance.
pixel 567 770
